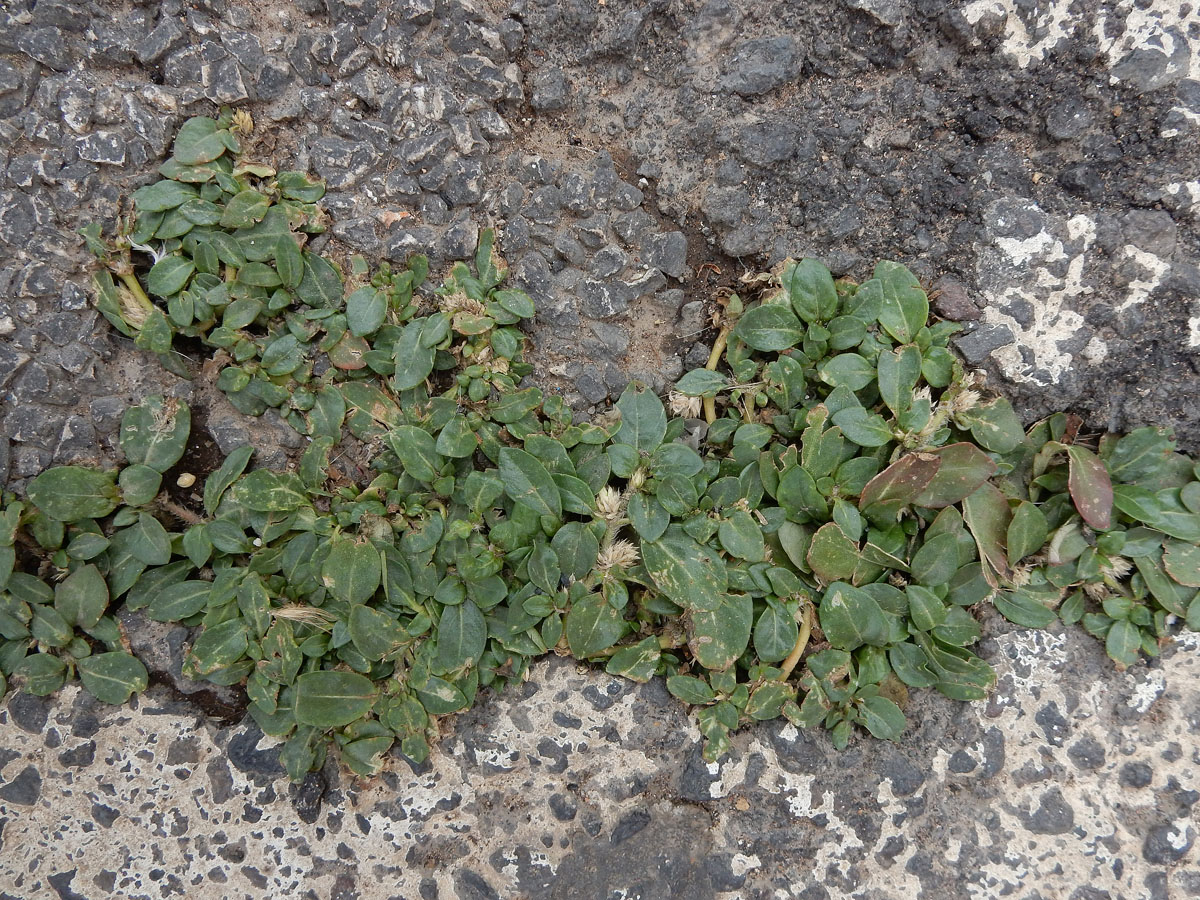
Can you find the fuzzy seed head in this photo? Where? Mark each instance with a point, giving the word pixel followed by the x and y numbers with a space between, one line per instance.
pixel 1116 568
pixel 682 405
pixel 132 312
pixel 964 401
pixel 637 479
pixel 608 502
pixel 618 555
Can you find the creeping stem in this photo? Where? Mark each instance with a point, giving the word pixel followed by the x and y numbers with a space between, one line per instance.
pixel 710 403
pixel 801 642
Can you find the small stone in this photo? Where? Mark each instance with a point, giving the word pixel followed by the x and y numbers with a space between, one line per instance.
pixel 161 40
pixel 951 301
pixel 549 90
pixel 47 46
pixel 1052 816
pixel 609 261
pixel 981 125
pixel 1169 843
pixel 1087 753
pixel 1153 231
pixel 104 147
pixel 1068 119
pixel 459 240
pixel 667 252
pixel 885 12
pixel 564 809
pixel 629 825
pixel 25 789
pixel 1135 775
pixel 760 65
pixel 979 344
pixel 1083 180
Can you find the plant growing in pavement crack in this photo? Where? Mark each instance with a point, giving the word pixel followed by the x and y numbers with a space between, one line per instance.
pixel 810 535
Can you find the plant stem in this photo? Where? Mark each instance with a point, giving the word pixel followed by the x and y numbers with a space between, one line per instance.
pixel 135 288
pixel 710 403
pixel 801 642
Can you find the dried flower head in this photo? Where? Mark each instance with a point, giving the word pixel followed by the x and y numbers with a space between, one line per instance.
pixel 683 405
pixel 618 554
pixel 964 401
pixel 1116 568
pixel 608 502
pixel 1096 590
pixel 637 479
pixel 132 311
pixel 242 122
pixel 309 615
pixel 460 302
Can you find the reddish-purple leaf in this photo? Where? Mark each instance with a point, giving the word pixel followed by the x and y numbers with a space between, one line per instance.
pixel 902 481
pixel 1090 487
pixel 963 468
pixel 987 514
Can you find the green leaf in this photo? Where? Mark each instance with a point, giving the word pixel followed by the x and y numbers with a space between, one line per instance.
pixel 289 263
pixel 1124 643
pixel 846 369
pixel 1182 562
pixel 321 285
pixel 850 617
pixel 1027 531
pixel 935 563
pixel 925 609
pixel 82 597
pixel 244 209
pixel 139 485
pixel 199 141
pixel 690 689
pixel 352 570
pixel 457 440
pixel 960 469
pixel 1139 454
pixel 1159 585
pixel 994 425
pixel 717 637
pixel 899 371
pixel 156 333
pixel 149 541
pixel 461 635
pixel 902 307
pixel 648 517
pixel 867 429
pixel 769 327
pixel 528 482
pixel 71 493
pixel 328 699
pixel 178 601
pixel 809 288
pixel 1023 608
pixel 775 634
pixel 832 555
pixel 162 196
pixel 638 662
pixel 687 573
pixel 43 674
pixel 417 451
pixel 112 677
pixel 219 646
pixel 266 491
pixel 883 718
pixel 643 419
pixel 593 625
pixel 375 633
pixel 366 309
pixel 168 276
pixel 742 537
pixel 219 481
pixel 1090 486
pixel 700 383
pixel 577 548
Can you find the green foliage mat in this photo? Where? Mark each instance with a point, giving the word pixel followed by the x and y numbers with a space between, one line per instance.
pixel 807 533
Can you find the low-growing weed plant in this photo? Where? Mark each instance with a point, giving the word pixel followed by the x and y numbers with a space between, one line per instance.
pixel 807 528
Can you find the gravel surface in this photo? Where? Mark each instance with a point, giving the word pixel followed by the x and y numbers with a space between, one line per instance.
pixel 1035 164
